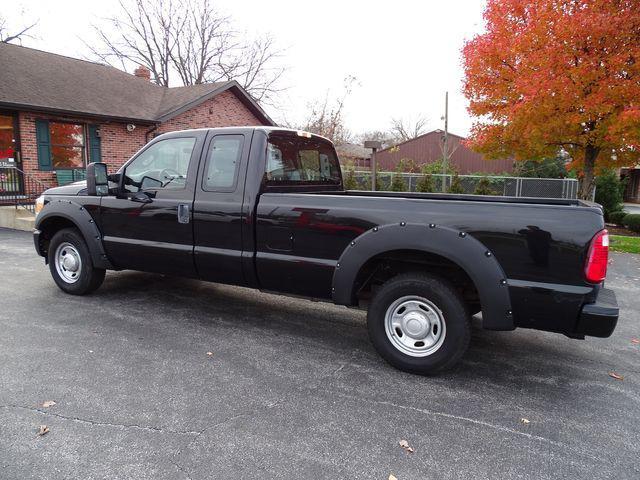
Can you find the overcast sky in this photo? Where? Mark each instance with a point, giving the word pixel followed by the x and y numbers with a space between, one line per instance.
pixel 405 54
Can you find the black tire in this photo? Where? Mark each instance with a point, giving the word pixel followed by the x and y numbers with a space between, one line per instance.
pixel 454 314
pixel 88 278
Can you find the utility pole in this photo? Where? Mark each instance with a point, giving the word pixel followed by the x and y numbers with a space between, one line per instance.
pixel 445 142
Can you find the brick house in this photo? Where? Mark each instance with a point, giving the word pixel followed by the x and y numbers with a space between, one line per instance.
pixel 58 113
pixel 427 148
pixel 354 154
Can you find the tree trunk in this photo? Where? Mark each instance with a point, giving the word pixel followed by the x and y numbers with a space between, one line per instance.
pixel 587 182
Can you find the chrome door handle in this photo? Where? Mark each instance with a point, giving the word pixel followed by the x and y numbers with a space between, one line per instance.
pixel 183 213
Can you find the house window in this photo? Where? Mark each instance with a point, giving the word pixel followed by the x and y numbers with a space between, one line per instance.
pixel 67 145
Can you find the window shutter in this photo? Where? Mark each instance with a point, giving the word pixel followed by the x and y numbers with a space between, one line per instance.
pixel 95 151
pixel 43 141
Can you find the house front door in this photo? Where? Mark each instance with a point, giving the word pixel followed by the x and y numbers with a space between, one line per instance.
pixel 10 182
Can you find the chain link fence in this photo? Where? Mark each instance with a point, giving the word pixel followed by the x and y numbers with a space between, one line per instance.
pixel 493 185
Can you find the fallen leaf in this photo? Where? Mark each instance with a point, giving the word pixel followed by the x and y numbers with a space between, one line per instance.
pixel 635 340
pixel 404 444
pixel 43 430
pixel 526 421
pixel 48 403
pixel 210 353
pixel 392 477
pixel 616 376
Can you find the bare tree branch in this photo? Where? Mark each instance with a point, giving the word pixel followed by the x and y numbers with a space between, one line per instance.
pixel 143 36
pixel 190 39
pixel 326 116
pixel 6 37
pixel 404 129
pixel 452 146
pixel 387 138
pixel 201 42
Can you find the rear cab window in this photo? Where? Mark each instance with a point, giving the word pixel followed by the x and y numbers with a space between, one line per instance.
pixel 294 160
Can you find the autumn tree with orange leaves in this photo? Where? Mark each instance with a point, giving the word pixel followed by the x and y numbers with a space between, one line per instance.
pixel 552 75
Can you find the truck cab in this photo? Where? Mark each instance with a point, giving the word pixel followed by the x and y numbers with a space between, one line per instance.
pixel 184 204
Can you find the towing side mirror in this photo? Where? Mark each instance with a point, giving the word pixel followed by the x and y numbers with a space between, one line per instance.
pixel 97 179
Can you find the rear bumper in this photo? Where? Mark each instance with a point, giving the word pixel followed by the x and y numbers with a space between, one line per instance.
pixel 599 319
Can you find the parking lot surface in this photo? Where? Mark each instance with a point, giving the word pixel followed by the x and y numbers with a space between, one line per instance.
pixel 156 377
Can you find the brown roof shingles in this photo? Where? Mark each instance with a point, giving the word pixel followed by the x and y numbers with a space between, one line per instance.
pixel 46 81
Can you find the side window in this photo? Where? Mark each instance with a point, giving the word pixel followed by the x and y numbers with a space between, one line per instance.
pixel 223 160
pixel 163 165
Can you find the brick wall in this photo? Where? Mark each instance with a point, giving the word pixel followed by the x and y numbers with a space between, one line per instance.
pixel 118 144
pixel 224 110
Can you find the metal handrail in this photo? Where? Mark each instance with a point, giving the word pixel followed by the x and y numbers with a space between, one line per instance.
pixel 19 189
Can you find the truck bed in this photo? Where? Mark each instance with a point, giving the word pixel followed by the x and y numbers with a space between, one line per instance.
pixel 540 243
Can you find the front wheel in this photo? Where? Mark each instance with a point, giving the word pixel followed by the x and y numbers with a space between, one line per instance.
pixel 419 323
pixel 70 263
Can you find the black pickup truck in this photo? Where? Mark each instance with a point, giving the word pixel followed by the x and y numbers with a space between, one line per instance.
pixel 265 208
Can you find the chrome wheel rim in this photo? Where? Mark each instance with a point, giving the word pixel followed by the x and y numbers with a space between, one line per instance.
pixel 68 262
pixel 415 326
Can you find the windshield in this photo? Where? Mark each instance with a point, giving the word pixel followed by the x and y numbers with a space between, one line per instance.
pixel 296 160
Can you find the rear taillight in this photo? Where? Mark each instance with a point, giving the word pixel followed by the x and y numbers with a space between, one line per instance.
pixel 595 269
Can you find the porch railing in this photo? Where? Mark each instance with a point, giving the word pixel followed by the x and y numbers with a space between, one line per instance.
pixel 19 189
pixel 67 176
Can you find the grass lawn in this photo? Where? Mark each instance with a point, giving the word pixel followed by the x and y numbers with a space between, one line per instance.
pixel 619 243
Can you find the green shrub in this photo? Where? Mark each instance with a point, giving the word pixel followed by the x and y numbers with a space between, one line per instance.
pixel 617 217
pixel 407 165
pixel 397 183
pixel 456 185
pixel 632 222
pixel 609 190
pixel 382 184
pixel 350 181
pixel 484 187
pixel 425 184
pixel 436 167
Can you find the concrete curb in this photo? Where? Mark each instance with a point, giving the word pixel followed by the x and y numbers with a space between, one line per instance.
pixel 17 219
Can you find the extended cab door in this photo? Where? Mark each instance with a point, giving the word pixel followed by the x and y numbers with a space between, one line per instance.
pixel 298 240
pixel 149 228
pixel 218 213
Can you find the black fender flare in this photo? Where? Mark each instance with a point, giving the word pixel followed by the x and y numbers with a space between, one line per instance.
pixel 457 246
pixel 78 215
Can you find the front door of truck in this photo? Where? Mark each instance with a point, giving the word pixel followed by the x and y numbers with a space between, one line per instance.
pixel 149 227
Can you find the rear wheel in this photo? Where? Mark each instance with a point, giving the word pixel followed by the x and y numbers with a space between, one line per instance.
pixel 419 323
pixel 70 263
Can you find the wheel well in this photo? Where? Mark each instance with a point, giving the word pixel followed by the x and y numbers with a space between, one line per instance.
pixel 382 267
pixel 48 228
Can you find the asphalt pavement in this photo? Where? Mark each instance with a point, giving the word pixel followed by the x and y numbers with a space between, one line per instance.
pixel 164 378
